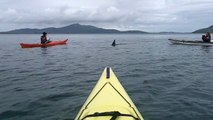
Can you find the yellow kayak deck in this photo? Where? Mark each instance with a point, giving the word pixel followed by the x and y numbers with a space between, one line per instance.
pixel 108 101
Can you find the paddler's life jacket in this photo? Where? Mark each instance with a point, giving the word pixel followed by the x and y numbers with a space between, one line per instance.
pixel 206 38
pixel 43 39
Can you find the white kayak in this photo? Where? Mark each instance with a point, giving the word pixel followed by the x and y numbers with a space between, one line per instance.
pixel 186 42
pixel 108 101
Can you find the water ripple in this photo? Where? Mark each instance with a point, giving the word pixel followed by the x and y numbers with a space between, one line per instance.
pixel 53 83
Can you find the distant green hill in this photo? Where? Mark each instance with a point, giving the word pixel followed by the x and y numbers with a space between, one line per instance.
pixel 70 29
pixel 204 30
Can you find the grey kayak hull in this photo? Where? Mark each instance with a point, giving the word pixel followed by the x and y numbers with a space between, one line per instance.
pixel 185 42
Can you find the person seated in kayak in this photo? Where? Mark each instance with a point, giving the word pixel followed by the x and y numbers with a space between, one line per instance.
pixel 44 38
pixel 207 37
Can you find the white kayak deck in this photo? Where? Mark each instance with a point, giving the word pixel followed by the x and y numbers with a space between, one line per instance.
pixel 191 42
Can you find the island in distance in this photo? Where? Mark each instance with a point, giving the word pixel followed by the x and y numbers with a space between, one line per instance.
pixel 71 29
pixel 204 30
pixel 89 29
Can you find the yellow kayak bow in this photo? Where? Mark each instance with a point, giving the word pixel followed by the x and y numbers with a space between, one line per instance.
pixel 108 101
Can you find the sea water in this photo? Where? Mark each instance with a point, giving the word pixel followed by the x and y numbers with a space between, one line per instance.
pixel 165 81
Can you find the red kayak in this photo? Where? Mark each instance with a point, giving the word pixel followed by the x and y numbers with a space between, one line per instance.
pixel 52 43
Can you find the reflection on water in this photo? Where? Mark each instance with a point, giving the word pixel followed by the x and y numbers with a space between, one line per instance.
pixel 44 50
pixel 206 48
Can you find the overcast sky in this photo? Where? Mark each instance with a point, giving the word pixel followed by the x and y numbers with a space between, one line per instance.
pixel 145 15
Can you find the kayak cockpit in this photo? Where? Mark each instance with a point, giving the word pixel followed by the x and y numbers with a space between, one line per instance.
pixel 113 114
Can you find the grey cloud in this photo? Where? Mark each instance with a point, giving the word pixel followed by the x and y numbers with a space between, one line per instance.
pixel 158 15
